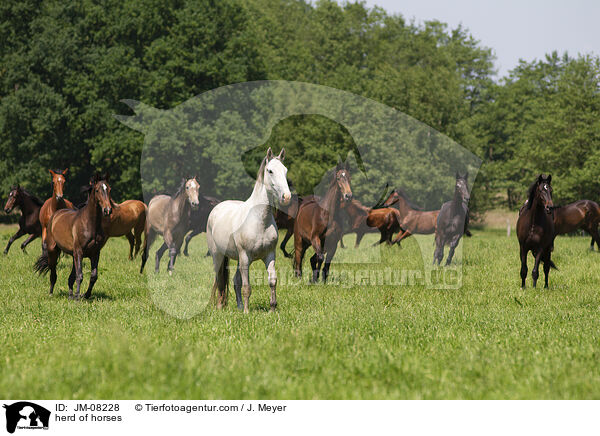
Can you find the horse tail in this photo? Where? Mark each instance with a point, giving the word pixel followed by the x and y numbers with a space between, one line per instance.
pixel 42 266
pixel 552 265
pixel 221 283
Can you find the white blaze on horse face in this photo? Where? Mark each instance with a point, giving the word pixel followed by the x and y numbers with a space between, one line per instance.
pixel 275 181
pixel 192 188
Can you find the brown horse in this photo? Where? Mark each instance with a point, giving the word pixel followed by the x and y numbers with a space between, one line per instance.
pixel 127 219
pixel 535 229
pixel 170 216
pixel 357 221
pixel 582 214
pixel 29 223
pixel 411 220
pixel 55 202
pixel 80 234
pixel 318 223
pixel 387 221
pixel 285 217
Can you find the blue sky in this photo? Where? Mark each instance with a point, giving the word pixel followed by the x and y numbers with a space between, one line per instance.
pixel 525 29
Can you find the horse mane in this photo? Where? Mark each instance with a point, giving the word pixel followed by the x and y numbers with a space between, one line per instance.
pixel 261 172
pixel 35 199
pixel 531 193
pixel 404 195
pixel 180 188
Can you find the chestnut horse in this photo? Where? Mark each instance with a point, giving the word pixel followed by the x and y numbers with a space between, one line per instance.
pixel 582 214
pixel 535 229
pixel 127 219
pixel 29 223
pixel 170 216
pixel 411 220
pixel 387 221
pixel 55 202
pixel 80 234
pixel 319 224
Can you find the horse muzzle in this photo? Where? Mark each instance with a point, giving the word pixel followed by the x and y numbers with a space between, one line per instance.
pixel 286 198
pixel 348 197
pixel 548 209
pixel 194 205
pixel 8 209
pixel 107 211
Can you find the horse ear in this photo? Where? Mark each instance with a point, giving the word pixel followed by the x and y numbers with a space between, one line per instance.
pixel 64 173
pixel 467 175
pixel 106 176
pixel 269 154
pixel 540 178
pixel 52 172
pixel 549 178
pixel 281 156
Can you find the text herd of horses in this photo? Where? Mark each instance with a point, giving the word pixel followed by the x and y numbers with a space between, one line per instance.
pixel 247 231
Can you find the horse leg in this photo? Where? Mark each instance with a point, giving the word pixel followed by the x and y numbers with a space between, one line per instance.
pixel 330 253
pixel 342 243
pixel 159 254
pixel 131 240
pixel 94 276
pixel 72 279
pixel 359 236
pixel 187 242
pixel 78 261
pixel 286 238
pixel 315 271
pixel 244 267
pixel 52 261
pixel 547 263
pixel 381 239
pixel 237 285
pixel 453 245
pixel 535 272
pixel 150 235
pixel 523 267
pixel 12 239
pixel 593 230
pixel 438 254
pixel 270 265
pixel 219 285
pixel 137 233
pixel 27 241
pixel 299 258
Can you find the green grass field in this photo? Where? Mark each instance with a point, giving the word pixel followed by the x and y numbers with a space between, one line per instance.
pixel 487 340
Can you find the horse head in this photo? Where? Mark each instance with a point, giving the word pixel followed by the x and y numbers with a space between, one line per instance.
pixel 275 178
pixel 342 177
pixel 544 192
pixel 101 191
pixel 192 191
pixel 461 188
pixel 13 197
pixel 58 182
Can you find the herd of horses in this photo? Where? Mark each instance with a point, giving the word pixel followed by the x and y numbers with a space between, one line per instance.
pixel 247 231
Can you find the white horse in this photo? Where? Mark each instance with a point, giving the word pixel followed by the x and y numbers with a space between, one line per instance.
pixel 246 231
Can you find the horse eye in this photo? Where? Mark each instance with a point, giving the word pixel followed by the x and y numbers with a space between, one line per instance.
pixel 270 171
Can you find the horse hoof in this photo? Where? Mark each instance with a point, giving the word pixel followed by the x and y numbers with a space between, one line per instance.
pixel 170 272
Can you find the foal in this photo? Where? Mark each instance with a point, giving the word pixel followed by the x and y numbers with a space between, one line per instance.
pixel 536 230
pixel 29 223
pixel 80 234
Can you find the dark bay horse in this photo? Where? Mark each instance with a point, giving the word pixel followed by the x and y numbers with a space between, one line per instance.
pixel 80 234
pixel 582 214
pixel 318 223
pixel 54 203
pixel 535 229
pixel 452 220
pixel 29 223
pixel 412 220
pixel 199 218
pixel 285 218
pixel 170 216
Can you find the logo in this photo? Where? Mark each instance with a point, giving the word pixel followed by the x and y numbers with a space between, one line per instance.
pixel 26 415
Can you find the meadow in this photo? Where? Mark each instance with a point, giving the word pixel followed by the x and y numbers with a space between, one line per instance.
pixel 490 339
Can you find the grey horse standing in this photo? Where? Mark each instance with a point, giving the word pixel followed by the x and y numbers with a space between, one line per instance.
pixel 452 220
pixel 169 216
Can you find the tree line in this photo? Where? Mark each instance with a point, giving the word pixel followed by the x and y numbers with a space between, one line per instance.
pixel 65 67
